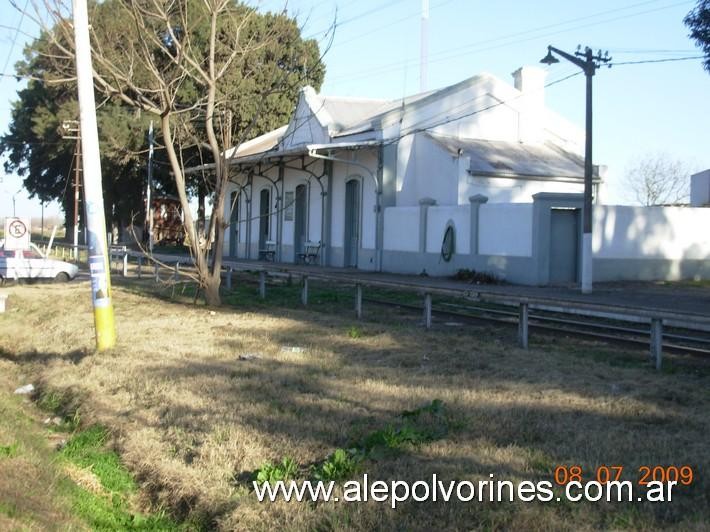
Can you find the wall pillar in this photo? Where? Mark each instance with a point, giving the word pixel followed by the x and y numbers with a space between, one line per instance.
pixel 424 205
pixel 476 202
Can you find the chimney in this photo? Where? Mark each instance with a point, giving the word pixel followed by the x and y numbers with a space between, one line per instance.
pixel 530 81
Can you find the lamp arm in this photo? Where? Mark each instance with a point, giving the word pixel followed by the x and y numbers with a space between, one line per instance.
pixel 576 60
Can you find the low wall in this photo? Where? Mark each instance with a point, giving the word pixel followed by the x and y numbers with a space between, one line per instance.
pixel 401 229
pixel 437 220
pixel 629 243
pixel 672 233
pixel 506 229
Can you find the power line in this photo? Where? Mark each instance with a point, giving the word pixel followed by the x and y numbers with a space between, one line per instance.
pixel 363 14
pixel 388 25
pixel 412 130
pixel 667 60
pixel 442 55
pixel 14 38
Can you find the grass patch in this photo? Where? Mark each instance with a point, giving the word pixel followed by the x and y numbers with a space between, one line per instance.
pixel 9 451
pixel 106 505
pixel 284 470
pixel 87 449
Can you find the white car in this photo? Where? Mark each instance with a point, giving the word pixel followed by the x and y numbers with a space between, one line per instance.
pixel 32 264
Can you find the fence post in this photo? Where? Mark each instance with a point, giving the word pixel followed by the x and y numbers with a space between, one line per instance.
pixel 140 265
pixel 262 284
pixel 523 325
pixel 177 271
pixel 657 342
pixel 157 277
pixel 229 278
pixel 304 291
pixel 427 310
pixel 125 264
pixel 358 301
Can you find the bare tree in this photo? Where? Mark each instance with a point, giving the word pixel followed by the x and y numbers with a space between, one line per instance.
pixel 658 179
pixel 192 63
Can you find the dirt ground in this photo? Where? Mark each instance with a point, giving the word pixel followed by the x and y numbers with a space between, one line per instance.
pixel 198 400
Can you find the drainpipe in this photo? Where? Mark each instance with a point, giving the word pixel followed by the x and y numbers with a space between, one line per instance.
pixel 378 193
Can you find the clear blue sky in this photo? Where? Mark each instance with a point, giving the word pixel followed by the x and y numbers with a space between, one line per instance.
pixel 639 109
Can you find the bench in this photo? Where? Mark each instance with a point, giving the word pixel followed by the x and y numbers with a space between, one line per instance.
pixel 310 252
pixel 269 251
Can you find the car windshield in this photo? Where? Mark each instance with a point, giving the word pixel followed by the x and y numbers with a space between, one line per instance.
pixel 31 254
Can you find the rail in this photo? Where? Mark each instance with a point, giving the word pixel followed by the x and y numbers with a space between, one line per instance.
pixel 655 318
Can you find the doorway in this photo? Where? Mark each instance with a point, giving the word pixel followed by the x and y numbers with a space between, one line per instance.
pixel 352 222
pixel 564 245
pixel 300 217
pixel 264 217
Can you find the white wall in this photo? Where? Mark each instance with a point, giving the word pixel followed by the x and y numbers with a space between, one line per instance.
pixel 505 229
pixel 503 190
pixel 343 172
pixel 401 229
pixel 622 232
pixel 369 223
pixel 438 217
pixel 292 179
pixel 700 189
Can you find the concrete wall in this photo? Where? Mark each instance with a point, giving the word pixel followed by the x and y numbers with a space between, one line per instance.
pixel 402 228
pixel 509 239
pixel 438 218
pixel 700 189
pixel 505 229
pixel 503 190
pixel 425 170
pixel 673 233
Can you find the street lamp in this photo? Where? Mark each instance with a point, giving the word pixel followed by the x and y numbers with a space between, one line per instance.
pixel 589 63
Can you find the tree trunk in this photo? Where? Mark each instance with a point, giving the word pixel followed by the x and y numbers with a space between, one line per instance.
pixel 201 210
pixel 212 297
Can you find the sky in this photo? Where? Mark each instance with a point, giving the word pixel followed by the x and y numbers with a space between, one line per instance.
pixel 639 109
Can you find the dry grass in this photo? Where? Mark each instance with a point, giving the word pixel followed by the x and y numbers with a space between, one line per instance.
pixel 193 421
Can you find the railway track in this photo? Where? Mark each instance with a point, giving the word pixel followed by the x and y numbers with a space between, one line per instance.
pixel 673 342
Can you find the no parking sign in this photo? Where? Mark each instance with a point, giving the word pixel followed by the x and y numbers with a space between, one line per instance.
pixel 17 233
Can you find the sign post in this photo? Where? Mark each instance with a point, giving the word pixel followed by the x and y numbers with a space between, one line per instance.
pixel 17 233
pixel 93 192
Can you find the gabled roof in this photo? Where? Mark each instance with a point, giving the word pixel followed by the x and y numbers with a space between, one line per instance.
pixel 343 121
pixel 394 109
pixel 514 159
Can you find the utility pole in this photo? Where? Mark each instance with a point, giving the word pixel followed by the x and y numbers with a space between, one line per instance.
pixel 149 188
pixel 71 130
pixel 77 180
pixel 589 63
pixel 424 47
pixel 93 193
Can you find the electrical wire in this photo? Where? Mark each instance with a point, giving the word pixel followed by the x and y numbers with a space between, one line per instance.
pixel 478 47
pixel 14 38
pixel 666 60
pixel 412 129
